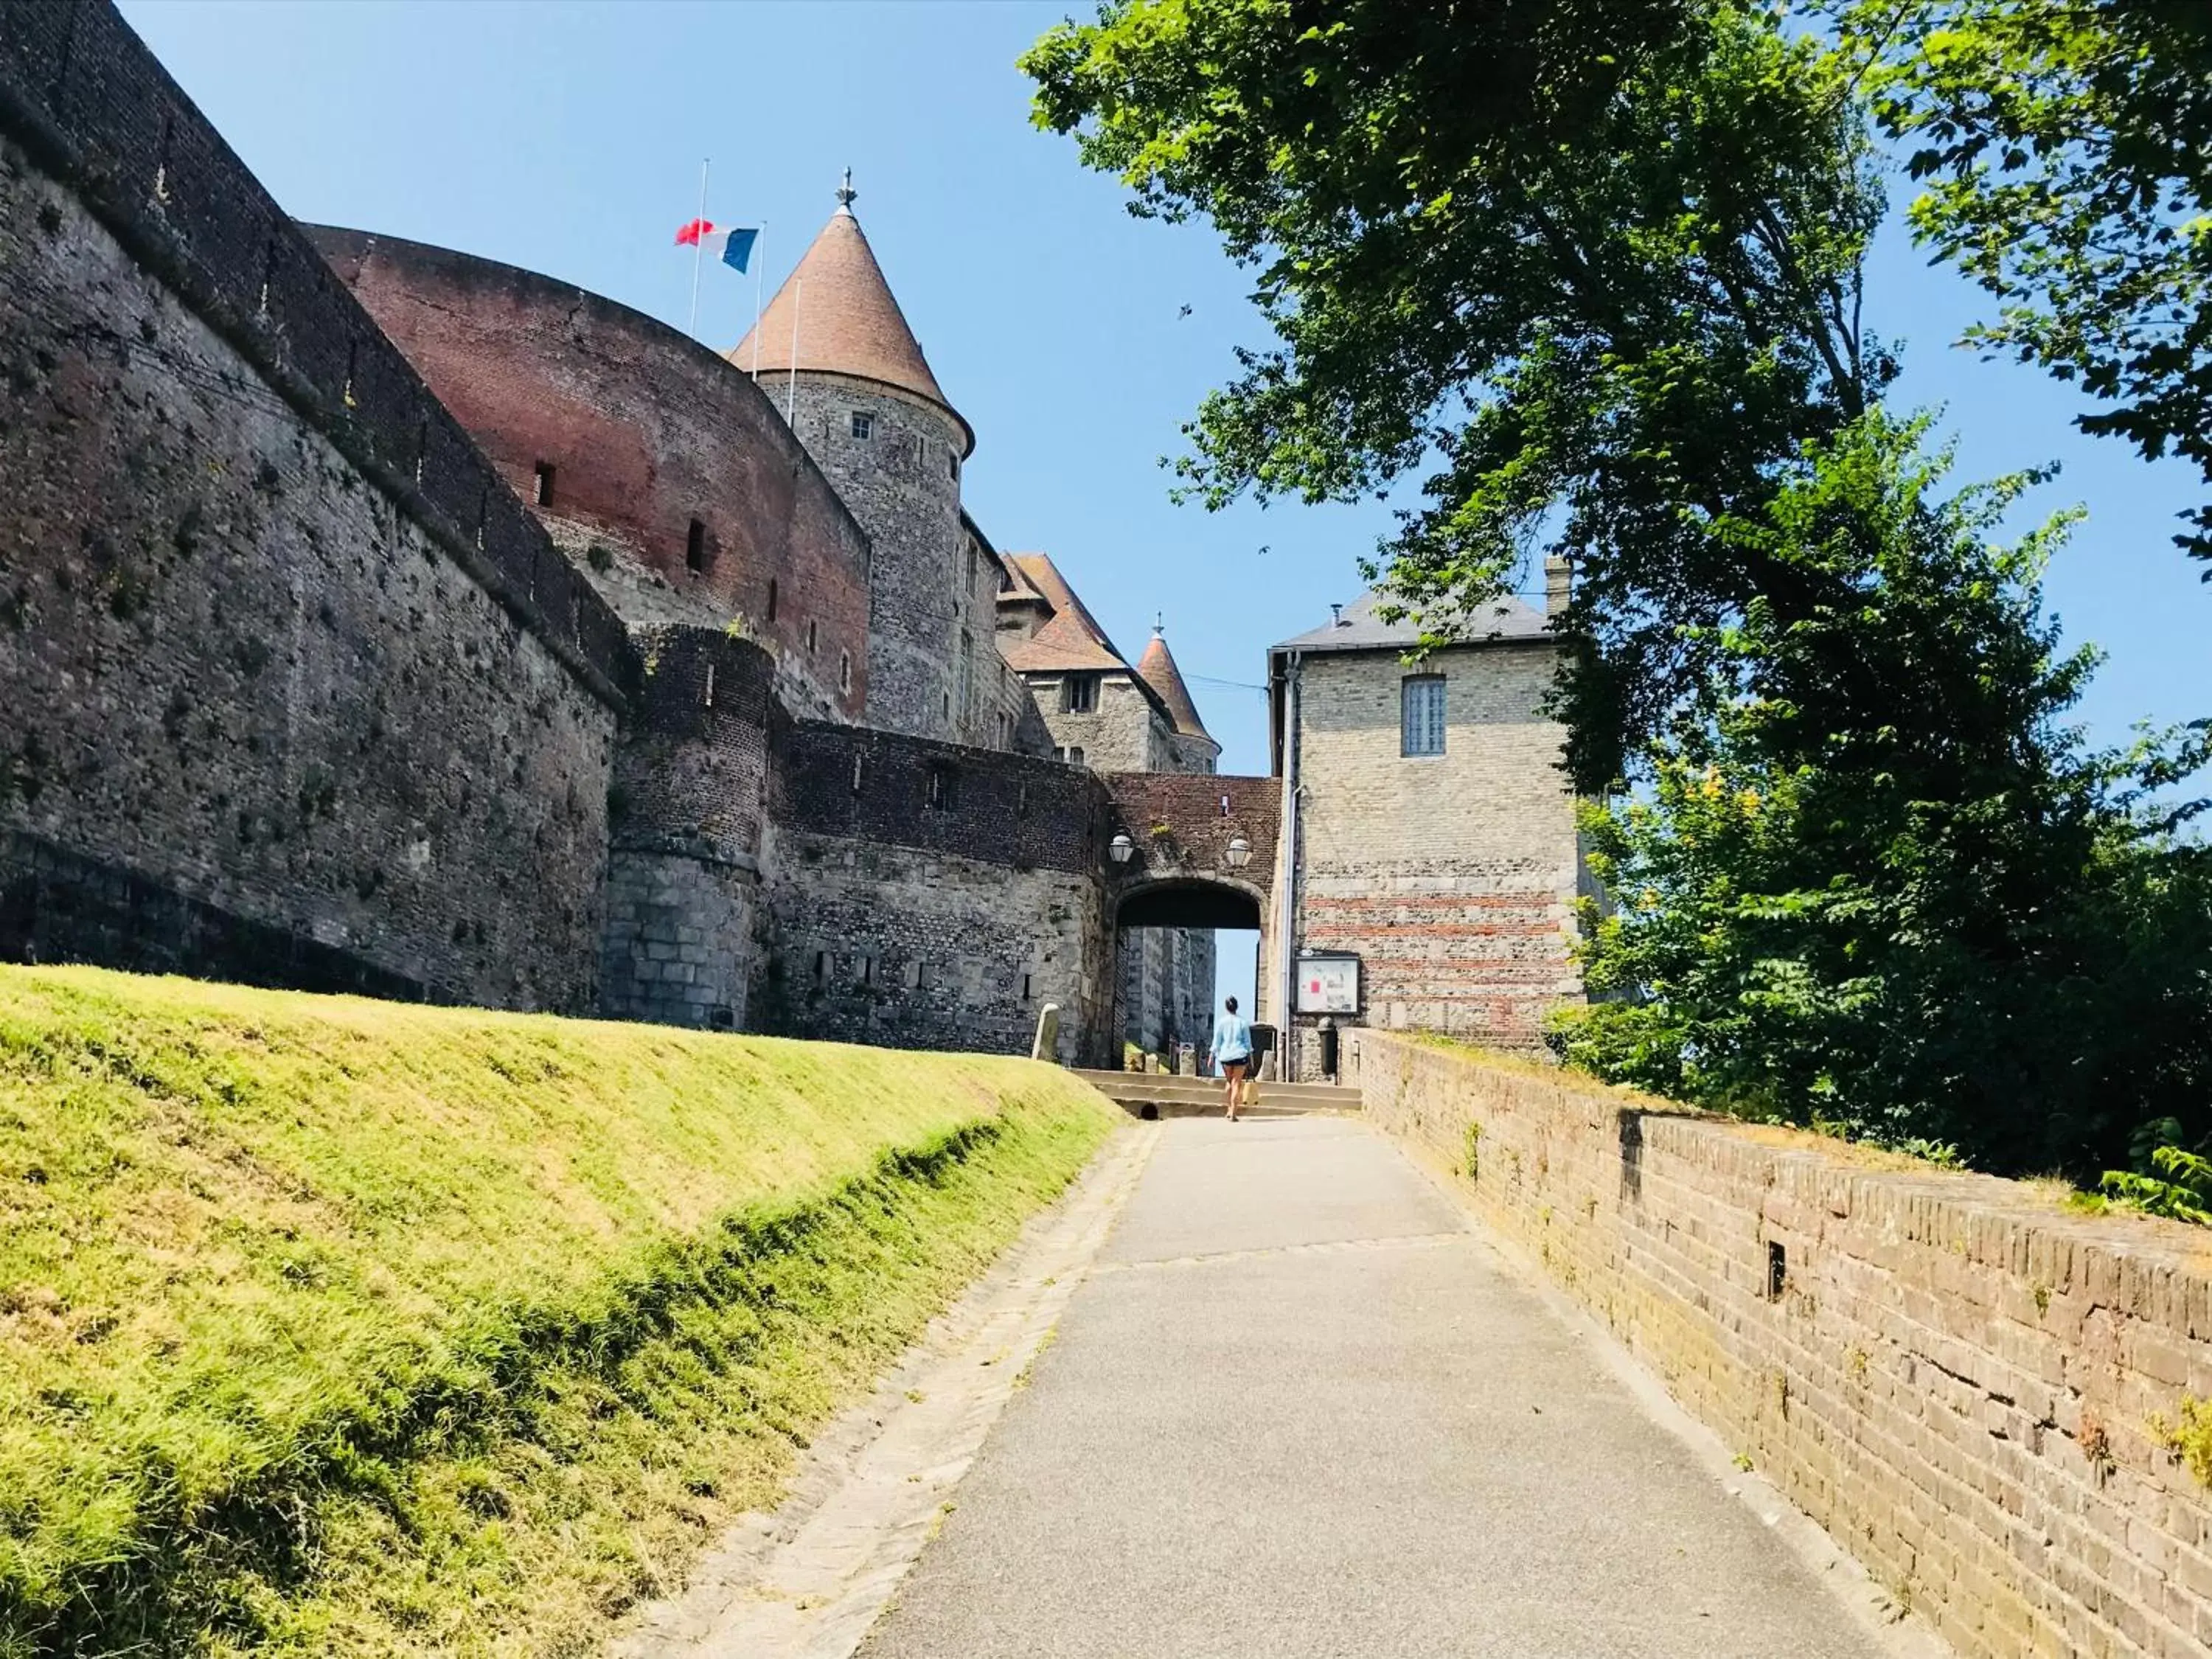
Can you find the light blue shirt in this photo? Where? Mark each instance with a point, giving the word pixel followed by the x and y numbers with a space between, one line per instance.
pixel 1232 1039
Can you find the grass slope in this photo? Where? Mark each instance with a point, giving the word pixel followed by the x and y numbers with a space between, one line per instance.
pixel 347 1328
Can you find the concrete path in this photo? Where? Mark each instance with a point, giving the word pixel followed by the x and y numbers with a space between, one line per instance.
pixel 1297 1409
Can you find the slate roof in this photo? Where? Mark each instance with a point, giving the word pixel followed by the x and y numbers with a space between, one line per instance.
pixel 1361 630
pixel 1157 668
pixel 1073 639
pixel 848 322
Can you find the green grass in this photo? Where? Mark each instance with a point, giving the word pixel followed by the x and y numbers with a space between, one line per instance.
pixel 338 1326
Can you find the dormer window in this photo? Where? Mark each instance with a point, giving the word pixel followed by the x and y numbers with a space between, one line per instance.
pixel 863 424
pixel 1078 694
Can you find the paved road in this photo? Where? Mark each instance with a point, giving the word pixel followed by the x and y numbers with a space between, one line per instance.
pixel 1299 1410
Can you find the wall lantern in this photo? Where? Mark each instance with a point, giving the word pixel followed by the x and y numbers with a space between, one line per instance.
pixel 1119 848
pixel 1240 851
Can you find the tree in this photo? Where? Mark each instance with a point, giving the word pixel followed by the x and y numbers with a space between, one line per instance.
pixel 1593 265
pixel 1593 269
pixel 2067 148
pixel 1958 925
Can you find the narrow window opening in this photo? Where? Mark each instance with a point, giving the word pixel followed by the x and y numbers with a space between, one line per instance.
pixel 1022 802
pixel 914 975
pixel 867 970
pixel 1026 987
pixel 1777 1270
pixel 856 775
pixel 821 966
pixel 1421 709
pixel 771 598
pixel 844 671
pixel 940 788
pixel 812 636
pixel 695 548
pixel 710 685
pixel 544 483
pixel 863 424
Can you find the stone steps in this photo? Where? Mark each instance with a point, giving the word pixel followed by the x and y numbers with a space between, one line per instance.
pixel 1168 1095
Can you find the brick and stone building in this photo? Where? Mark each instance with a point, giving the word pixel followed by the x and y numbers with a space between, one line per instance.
pixel 376 617
pixel 1431 860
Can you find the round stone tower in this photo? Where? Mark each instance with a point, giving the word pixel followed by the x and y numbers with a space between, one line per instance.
pixel 834 350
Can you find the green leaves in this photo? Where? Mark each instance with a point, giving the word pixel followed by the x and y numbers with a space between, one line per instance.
pixel 2065 147
pixel 1589 272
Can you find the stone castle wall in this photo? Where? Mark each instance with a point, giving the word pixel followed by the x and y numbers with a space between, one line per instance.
pixel 925 895
pixel 623 434
pixel 902 482
pixel 688 815
pixel 294 687
pixel 1962 1382
pixel 1453 876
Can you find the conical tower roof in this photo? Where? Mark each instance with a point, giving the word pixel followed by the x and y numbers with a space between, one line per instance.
pixel 847 321
pixel 1157 668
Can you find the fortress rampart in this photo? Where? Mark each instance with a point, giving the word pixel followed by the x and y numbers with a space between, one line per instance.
pixel 662 472
pixel 294 687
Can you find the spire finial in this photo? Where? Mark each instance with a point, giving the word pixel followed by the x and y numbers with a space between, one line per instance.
pixel 845 192
pixel 1159 623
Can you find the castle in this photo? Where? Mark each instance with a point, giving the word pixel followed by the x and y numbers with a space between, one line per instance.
pixel 375 616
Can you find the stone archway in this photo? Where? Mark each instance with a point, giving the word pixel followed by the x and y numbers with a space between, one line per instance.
pixel 1186 854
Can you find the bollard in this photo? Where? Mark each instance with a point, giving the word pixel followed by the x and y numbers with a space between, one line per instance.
pixel 1047 1046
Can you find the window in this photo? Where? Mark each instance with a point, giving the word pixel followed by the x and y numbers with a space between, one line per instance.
pixel 953 464
pixel 812 634
pixel 1078 694
pixel 867 970
pixel 1073 754
pixel 844 671
pixel 1422 707
pixel 771 598
pixel 821 966
pixel 544 483
pixel 1026 987
pixel 863 424
pixel 940 788
pixel 695 548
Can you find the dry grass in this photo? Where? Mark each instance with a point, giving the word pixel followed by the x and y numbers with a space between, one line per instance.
pixel 331 1326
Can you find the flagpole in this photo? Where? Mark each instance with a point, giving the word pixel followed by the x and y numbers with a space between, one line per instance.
pixel 760 269
pixel 698 249
pixel 791 387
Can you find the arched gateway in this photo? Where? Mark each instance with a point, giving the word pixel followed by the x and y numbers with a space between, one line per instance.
pixel 1184 852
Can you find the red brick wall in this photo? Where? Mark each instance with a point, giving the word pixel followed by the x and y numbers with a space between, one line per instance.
pixel 646 431
pixel 1962 1381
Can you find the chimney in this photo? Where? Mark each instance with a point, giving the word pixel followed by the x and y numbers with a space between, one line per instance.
pixel 1336 615
pixel 1559 581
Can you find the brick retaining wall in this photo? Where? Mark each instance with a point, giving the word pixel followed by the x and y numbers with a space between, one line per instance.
pixel 1955 1376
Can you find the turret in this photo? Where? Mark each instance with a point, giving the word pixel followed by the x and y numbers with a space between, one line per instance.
pixel 834 348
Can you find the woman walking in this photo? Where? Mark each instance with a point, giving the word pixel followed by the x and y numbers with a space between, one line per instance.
pixel 1232 1053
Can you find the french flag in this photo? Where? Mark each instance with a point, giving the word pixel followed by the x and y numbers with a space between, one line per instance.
pixel 732 244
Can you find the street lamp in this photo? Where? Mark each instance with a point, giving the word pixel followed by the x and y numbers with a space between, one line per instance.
pixel 1240 851
pixel 1119 848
